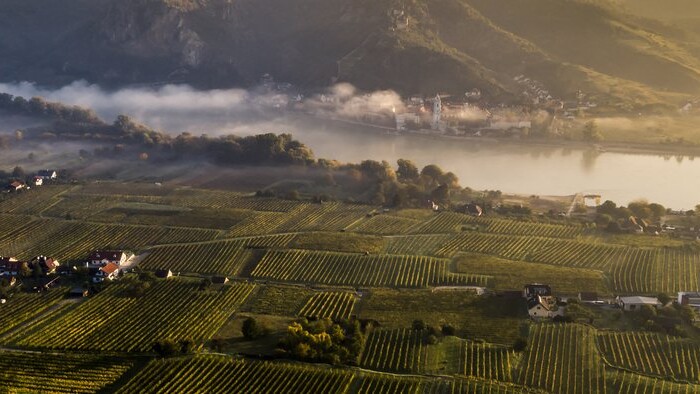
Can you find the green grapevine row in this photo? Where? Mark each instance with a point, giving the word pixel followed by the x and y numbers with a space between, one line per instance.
pixel 334 305
pixel 116 320
pixel 359 270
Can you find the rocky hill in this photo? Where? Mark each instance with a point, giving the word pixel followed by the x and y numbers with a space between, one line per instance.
pixel 611 51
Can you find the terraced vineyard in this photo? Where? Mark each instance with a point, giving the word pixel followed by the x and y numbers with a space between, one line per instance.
pixel 32 201
pixel 359 270
pixel 452 222
pixel 652 354
pixel 59 373
pixel 225 258
pixel 22 307
pixel 216 374
pixel 486 361
pixel 385 225
pixel 173 309
pixel 402 351
pixel 334 305
pixel 68 240
pixel 304 217
pixel 385 384
pixel 563 358
pixel 627 383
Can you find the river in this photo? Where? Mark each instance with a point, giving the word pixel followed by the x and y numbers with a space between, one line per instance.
pixel 519 168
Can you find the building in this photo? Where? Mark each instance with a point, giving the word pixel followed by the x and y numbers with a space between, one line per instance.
pixel 101 258
pixel 47 175
pixel 38 181
pixel 473 210
pixel 536 289
pixel 16 186
pixel 635 303
pixel 689 298
pixel 108 272
pixel 47 264
pixel 544 307
pixel 9 266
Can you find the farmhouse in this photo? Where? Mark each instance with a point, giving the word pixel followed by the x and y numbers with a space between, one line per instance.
pixel 47 174
pixel 47 264
pixel 9 266
pixel 108 272
pixel 16 186
pixel 38 181
pixel 101 258
pixel 543 307
pixel 635 303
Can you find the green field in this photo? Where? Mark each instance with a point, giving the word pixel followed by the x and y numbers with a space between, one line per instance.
pixel 292 260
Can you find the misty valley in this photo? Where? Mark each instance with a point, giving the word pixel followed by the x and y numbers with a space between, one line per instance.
pixel 386 196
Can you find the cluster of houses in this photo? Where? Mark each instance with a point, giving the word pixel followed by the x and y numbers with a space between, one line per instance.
pixel 37 180
pixel 542 304
pixel 102 265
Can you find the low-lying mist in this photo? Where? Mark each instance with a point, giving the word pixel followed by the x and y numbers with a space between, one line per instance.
pixel 180 108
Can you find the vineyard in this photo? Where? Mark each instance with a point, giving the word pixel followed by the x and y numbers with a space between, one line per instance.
pixel 64 373
pixel 359 270
pixel 303 217
pixel 627 383
pixel 385 225
pixel 69 240
pixel 174 309
pixel 215 374
pixel 402 351
pixel 652 354
pixel 334 305
pixel 486 361
pixel 563 358
pixel 452 222
pixel 22 307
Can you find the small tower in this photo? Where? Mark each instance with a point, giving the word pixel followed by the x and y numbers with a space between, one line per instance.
pixel 437 112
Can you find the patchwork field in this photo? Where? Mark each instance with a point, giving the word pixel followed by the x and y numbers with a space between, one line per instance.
pixel 434 295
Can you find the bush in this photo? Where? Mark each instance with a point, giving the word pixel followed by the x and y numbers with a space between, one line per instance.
pixel 448 330
pixel 418 324
pixel 166 347
pixel 520 344
pixel 431 339
pixel 251 329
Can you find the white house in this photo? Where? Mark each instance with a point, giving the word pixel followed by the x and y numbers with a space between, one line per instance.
pixel 47 174
pixel 543 307
pixel 635 303
pixel 38 181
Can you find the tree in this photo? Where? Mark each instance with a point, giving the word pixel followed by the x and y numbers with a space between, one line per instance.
pixel 448 330
pixel 418 324
pixel 432 171
pixel 591 132
pixel 186 345
pixel 520 344
pixel 607 208
pixel 407 171
pixel 166 347
pixel 18 172
pixel 431 339
pixel 251 329
pixel 204 284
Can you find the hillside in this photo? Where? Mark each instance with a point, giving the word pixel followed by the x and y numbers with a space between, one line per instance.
pixel 412 46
